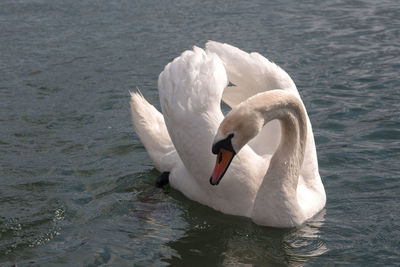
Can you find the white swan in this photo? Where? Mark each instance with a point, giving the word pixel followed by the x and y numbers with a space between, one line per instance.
pixel 267 179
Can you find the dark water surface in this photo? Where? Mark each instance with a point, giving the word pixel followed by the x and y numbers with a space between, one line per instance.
pixel 77 186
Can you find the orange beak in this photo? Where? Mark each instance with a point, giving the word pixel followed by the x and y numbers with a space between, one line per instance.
pixel 224 158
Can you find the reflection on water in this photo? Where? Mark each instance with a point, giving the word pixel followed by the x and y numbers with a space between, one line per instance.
pixel 237 241
pixel 304 243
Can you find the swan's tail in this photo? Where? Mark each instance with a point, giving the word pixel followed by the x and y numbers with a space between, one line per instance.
pixel 150 127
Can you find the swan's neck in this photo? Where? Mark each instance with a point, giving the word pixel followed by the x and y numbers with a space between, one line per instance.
pixel 279 187
pixel 286 162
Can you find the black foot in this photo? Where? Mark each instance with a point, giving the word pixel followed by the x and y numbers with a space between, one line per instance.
pixel 163 179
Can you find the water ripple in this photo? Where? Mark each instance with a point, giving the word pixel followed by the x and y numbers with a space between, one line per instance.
pixel 77 186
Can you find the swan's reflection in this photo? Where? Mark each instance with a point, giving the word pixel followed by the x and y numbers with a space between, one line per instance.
pixel 234 241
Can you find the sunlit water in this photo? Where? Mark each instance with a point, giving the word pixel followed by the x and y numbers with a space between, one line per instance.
pixel 77 186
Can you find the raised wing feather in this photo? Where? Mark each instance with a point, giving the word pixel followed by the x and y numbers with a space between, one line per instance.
pixel 190 90
pixel 251 73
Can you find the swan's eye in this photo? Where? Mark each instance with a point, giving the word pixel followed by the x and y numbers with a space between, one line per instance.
pixel 220 157
pixel 224 143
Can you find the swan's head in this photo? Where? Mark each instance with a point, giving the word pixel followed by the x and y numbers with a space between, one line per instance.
pixel 238 128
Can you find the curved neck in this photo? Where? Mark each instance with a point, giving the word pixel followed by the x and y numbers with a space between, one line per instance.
pixel 278 191
pixel 285 164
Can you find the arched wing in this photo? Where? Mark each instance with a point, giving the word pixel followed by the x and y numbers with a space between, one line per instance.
pixel 190 89
pixel 251 73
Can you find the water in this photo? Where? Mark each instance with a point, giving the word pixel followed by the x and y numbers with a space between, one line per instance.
pixel 77 186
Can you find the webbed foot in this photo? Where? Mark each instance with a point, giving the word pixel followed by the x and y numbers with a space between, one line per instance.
pixel 163 179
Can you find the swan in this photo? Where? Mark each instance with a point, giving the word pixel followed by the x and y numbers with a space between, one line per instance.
pixel 265 146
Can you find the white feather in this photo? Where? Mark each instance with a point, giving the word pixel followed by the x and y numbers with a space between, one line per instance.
pixel 179 141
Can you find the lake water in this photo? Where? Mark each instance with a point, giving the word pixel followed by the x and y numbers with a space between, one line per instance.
pixel 77 186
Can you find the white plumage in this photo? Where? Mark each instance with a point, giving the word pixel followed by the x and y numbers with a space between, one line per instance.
pixel 179 140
